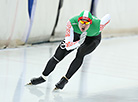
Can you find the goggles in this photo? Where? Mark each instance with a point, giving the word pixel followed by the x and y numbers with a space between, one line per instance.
pixel 84 22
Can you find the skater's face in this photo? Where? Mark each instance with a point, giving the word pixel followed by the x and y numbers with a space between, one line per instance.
pixel 84 25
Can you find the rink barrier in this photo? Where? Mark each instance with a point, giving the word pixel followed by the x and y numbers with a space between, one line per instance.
pixel 13 25
pixel 49 22
pixel 59 7
pixel 31 11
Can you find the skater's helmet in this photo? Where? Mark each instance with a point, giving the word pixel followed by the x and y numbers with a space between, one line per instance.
pixel 85 15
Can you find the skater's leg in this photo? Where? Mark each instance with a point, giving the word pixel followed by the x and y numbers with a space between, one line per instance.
pixel 76 63
pixel 58 56
pixel 83 50
pixel 51 64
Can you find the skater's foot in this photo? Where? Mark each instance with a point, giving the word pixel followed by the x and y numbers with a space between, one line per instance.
pixel 38 80
pixel 60 85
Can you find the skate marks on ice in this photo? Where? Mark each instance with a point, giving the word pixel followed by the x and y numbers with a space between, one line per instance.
pixel 110 81
pixel 122 95
pixel 43 93
pixel 119 95
pixel 36 90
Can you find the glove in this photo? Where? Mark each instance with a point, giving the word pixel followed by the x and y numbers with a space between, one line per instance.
pixel 62 45
pixel 82 37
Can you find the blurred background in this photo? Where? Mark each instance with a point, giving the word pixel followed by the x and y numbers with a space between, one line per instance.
pixel 37 21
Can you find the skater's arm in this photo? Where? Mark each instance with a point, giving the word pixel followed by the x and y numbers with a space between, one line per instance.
pixel 104 21
pixel 69 37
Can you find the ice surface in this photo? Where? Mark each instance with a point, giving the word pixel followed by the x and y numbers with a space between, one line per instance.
pixel 109 74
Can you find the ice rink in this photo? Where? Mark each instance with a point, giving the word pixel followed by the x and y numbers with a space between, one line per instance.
pixel 109 74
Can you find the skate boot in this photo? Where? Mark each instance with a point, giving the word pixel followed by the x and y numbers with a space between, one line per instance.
pixel 38 80
pixel 60 85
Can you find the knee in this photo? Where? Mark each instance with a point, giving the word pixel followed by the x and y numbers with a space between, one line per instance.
pixel 55 59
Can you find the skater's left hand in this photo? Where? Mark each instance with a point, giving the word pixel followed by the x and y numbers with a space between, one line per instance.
pixel 82 37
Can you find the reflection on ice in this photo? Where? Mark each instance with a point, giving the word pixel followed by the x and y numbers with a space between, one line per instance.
pixel 109 74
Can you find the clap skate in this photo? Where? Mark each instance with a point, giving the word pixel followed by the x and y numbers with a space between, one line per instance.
pixel 36 81
pixel 60 85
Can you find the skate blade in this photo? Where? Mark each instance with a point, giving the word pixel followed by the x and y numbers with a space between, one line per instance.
pixel 56 89
pixel 29 84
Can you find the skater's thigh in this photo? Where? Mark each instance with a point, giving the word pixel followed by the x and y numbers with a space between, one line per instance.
pixel 87 48
pixel 61 53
